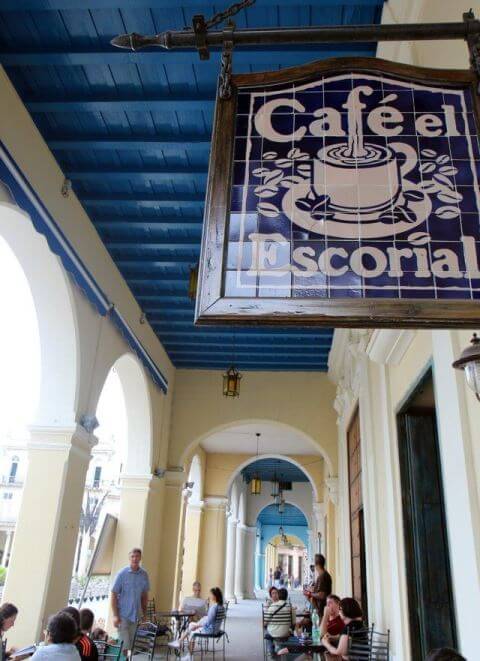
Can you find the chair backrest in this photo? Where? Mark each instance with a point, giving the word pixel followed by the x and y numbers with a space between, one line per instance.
pixel 281 615
pixel 369 645
pixel 151 611
pixel 144 639
pixel 108 650
pixel 221 615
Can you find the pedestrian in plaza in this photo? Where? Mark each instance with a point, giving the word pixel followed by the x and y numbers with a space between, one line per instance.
pixel 129 597
pixel 322 586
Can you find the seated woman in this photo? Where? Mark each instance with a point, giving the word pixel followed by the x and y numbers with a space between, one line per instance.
pixel 207 624
pixel 61 633
pixel 278 631
pixel 195 602
pixel 8 615
pixel 352 616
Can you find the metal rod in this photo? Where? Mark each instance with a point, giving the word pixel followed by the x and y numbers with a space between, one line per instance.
pixel 307 35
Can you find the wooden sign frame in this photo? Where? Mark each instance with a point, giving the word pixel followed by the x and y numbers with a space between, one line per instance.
pixel 212 307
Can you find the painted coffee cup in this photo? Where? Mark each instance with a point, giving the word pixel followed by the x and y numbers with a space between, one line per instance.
pixel 362 185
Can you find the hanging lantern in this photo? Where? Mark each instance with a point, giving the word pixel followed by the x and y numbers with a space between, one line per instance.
pixel 193 282
pixel 256 483
pixel 469 362
pixel 231 382
pixel 256 486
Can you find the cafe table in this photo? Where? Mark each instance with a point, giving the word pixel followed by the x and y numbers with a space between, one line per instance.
pixel 297 645
pixel 180 617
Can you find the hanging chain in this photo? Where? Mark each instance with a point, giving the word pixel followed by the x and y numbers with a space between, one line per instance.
pixel 222 16
pixel 225 77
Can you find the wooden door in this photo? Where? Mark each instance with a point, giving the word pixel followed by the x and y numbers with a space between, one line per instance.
pixel 431 611
pixel 359 579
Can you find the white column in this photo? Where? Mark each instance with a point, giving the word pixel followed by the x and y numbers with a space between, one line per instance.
pixel 8 546
pixel 249 555
pixel 459 486
pixel 319 510
pixel 240 562
pixel 312 541
pixel 231 558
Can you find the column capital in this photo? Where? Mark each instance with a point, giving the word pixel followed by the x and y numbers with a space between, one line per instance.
pixel 215 503
pixel 332 486
pixel 319 509
pixel 65 438
pixel 175 478
pixel 146 482
pixel 197 506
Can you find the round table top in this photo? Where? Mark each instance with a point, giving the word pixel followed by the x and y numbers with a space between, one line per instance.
pixel 177 613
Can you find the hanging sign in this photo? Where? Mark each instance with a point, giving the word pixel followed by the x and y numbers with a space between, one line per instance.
pixel 344 193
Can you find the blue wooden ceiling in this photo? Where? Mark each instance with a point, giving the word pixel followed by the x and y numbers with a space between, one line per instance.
pixel 273 469
pixel 132 132
pixel 292 516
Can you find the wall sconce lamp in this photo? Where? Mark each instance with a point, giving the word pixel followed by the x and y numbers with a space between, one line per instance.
pixel 469 362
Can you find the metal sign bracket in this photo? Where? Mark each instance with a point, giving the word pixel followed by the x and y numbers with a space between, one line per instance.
pixel 225 77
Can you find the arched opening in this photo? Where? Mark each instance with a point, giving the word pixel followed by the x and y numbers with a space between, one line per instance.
pixel 124 448
pixel 38 355
pixel 283 547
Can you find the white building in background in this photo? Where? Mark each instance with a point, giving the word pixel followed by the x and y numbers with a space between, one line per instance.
pixel 102 478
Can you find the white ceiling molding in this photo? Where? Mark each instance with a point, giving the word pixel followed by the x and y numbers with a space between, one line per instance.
pixel 388 346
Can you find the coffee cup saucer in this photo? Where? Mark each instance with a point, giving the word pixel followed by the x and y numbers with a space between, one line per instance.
pixel 350 226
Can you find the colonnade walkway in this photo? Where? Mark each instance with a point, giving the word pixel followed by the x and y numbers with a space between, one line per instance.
pixel 244 628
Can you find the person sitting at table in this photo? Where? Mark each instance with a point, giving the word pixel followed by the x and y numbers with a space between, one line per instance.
pixel 8 615
pixel 272 596
pixel 207 624
pixel 195 602
pixel 278 632
pixel 86 648
pixel 332 622
pixel 61 633
pixel 352 617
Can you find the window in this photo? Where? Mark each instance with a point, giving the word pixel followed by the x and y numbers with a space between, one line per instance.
pixel 7 495
pixel 13 470
pixel 96 477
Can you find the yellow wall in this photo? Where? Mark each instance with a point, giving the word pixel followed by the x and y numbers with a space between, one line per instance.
pixel 303 401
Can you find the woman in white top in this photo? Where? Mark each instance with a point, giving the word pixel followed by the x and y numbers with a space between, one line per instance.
pixel 61 632
pixel 195 602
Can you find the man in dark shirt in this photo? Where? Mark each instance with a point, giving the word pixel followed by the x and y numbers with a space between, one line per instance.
pixel 322 586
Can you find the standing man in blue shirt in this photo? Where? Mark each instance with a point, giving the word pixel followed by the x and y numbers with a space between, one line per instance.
pixel 129 598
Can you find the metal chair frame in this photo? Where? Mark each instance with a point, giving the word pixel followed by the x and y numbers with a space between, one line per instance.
pixel 108 650
pixel 145 640
pixel 373 646
pixel 284 616
pixel 205 638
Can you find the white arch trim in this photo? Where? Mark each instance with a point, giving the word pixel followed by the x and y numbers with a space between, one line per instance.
pixel 316 448
pixel 23 199
pixel 284 457
pixel 56 318
pixel 195 476
pixel 139 414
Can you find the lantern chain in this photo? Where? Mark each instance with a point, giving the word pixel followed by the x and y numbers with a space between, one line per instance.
pixel 222 16
pixel 473 42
